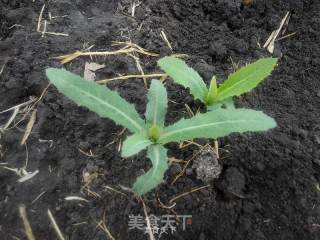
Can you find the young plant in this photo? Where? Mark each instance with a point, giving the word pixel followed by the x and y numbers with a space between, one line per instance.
pixel 151 133
pixel 242 81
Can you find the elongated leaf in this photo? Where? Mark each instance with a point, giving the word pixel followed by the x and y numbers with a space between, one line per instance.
pixel 179 71
pixel 134 144
pixel 226 103
pixel 218 123
pixel 157 104
pixel 99 99
pixel 158 156
pixel 213 91
pixel 246 78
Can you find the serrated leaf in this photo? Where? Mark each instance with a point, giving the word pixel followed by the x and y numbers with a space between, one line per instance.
pixel 158 156
pixel 157 104
pixel 182 74
pixel 226 103
pixel 215 124
pixel 134 144
pixel 246 78
pixel 100 99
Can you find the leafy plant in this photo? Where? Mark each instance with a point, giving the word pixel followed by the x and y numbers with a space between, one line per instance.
pixel 151 133
pixel 242 81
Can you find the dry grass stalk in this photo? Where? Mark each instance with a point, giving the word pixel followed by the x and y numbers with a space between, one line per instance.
pixel 187 193
pixel 13 116
pixel 164 206
pixel 235 66
pixel 129 48
pixel 57 34
pixel 149 229
pixel 133 8
pixel 186 165
pixel 286 36
pixel 88 154
pixel 41 96
pixel 129 44
pixel 191 113
pixel 19 105
pixel 16 25
pixel 269 44
pixel 216 148
pixel 180 55
pixel 75 198
pixel 44 30
pixel 139 67
pixel 165 39
pixel 27 175
pixel 115 190
pixel 174 160
pixel 40 19
pixel 55 225
pixel 2 68
pixel 38 197
pixel 127 77
pixel 188 143
pixel 102 225
pixel 29 127
pixel 26 224
pixel 33 106
pixel 87 179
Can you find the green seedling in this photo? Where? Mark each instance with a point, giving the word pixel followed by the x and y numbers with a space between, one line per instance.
pixel 242 81
pixel 152 133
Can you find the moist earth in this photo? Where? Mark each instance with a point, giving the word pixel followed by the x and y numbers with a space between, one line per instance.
pixel 269 184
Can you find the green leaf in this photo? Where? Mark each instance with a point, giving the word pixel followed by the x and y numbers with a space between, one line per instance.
pixel 134 144
pixel 246 78
pixel 103 101
pixel 157 104
pixel 158 156
pixel 213 91
pixel 154 133
pixel 179 71
pixel 226 103
pixel 215 124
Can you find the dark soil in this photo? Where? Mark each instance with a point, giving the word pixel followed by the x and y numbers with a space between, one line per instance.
pixel 269 186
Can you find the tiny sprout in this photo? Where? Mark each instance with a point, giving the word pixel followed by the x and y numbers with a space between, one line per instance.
pixel 242 81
